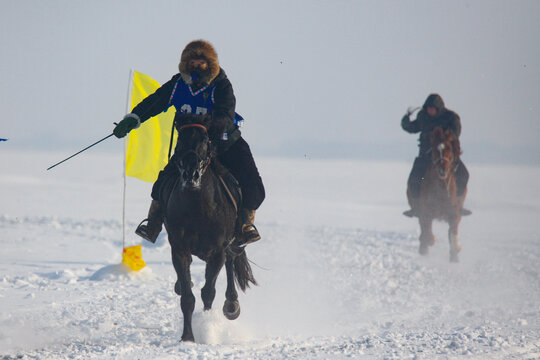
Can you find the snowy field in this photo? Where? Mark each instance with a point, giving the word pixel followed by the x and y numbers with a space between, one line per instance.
pixel 338 269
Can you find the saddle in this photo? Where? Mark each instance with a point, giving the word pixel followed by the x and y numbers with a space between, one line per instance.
pixel 229 184
pixel 234 194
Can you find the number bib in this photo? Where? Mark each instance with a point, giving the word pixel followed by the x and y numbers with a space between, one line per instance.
pixel 186 100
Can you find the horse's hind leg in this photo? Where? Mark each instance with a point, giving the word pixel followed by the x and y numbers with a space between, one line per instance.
pixel 231 308
pixel 427 238
pixel 181 262
pixel 453 238
pixel 213 267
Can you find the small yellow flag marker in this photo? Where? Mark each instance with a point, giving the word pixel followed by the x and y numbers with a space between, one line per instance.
pixel 132 257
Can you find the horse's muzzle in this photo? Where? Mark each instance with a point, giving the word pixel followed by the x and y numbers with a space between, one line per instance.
pixel 190 185
pixel 191 181
pixel 442 172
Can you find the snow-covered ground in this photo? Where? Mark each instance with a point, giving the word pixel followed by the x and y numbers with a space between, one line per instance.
pixel 338 270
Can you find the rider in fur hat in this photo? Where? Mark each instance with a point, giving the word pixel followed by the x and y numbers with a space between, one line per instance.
pixel 201 87
pixel 433 114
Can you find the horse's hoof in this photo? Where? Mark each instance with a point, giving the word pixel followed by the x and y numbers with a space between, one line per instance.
pixel 231 309
pixel 423 249
pixel 454 258
pixel 188 338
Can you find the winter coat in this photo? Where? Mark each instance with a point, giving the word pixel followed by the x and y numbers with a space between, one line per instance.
pixel 216 98
pixel 424 123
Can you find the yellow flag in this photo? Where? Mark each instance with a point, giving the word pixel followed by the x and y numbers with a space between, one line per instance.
pixel 132 257
pixel 148 146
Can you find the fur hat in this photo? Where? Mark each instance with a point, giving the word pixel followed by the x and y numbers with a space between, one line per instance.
pixel 199 49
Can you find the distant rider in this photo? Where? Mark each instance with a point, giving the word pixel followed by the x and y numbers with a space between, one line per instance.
pixel 201 87
pixel 432 115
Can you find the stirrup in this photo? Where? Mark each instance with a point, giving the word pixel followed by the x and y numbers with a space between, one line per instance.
pixel 250 234
pixel 237 245
pixel 410 213
pixel 142 231
pixel 465 212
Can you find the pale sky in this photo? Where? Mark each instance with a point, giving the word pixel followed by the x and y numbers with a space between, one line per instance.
pixel 312 78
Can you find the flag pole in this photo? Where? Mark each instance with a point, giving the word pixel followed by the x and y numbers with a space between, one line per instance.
pixel 128 109
pixel 171 141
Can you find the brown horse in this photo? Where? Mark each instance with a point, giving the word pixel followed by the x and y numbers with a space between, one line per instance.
pixel 438 199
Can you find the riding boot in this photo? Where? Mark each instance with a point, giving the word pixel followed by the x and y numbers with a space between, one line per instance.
pixel 250 233
pixel 152 228
pixel 463 211
pixel 413 211
pixel 462 177
pixel 420 165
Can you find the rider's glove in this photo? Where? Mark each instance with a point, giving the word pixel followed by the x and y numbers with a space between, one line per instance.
pixel 128 123
pixel 411 110
pixel 216 128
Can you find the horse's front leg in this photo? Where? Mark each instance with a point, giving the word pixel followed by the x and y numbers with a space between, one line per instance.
pixel 427 238
pixel 213 267
pixel 453 238
pixel 231 308
pixel 181 262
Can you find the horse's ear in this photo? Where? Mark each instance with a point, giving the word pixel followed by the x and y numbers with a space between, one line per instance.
pixel 216 127
pixel 189 118
pixel 206 120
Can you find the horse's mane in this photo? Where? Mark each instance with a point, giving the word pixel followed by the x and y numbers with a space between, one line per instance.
pixel 215 128
pixel 218 167
pixel 205 120
pixel 187 119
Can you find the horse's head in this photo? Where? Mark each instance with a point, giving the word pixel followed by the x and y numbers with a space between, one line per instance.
pixel 444 151
pixel 193 151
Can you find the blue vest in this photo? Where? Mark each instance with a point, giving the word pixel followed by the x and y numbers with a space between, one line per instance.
pixel 186 100
pixel 198 102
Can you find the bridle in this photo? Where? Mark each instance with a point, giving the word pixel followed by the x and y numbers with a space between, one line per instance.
pixel 441 160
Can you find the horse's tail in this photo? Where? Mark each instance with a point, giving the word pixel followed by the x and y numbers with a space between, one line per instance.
pixel 242 271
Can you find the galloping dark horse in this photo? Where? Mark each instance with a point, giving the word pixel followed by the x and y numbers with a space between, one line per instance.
pixel 201 220
pixel 438 199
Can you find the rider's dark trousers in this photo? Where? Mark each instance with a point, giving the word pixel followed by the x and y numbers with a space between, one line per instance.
pixel 419 169
pixel 239 160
